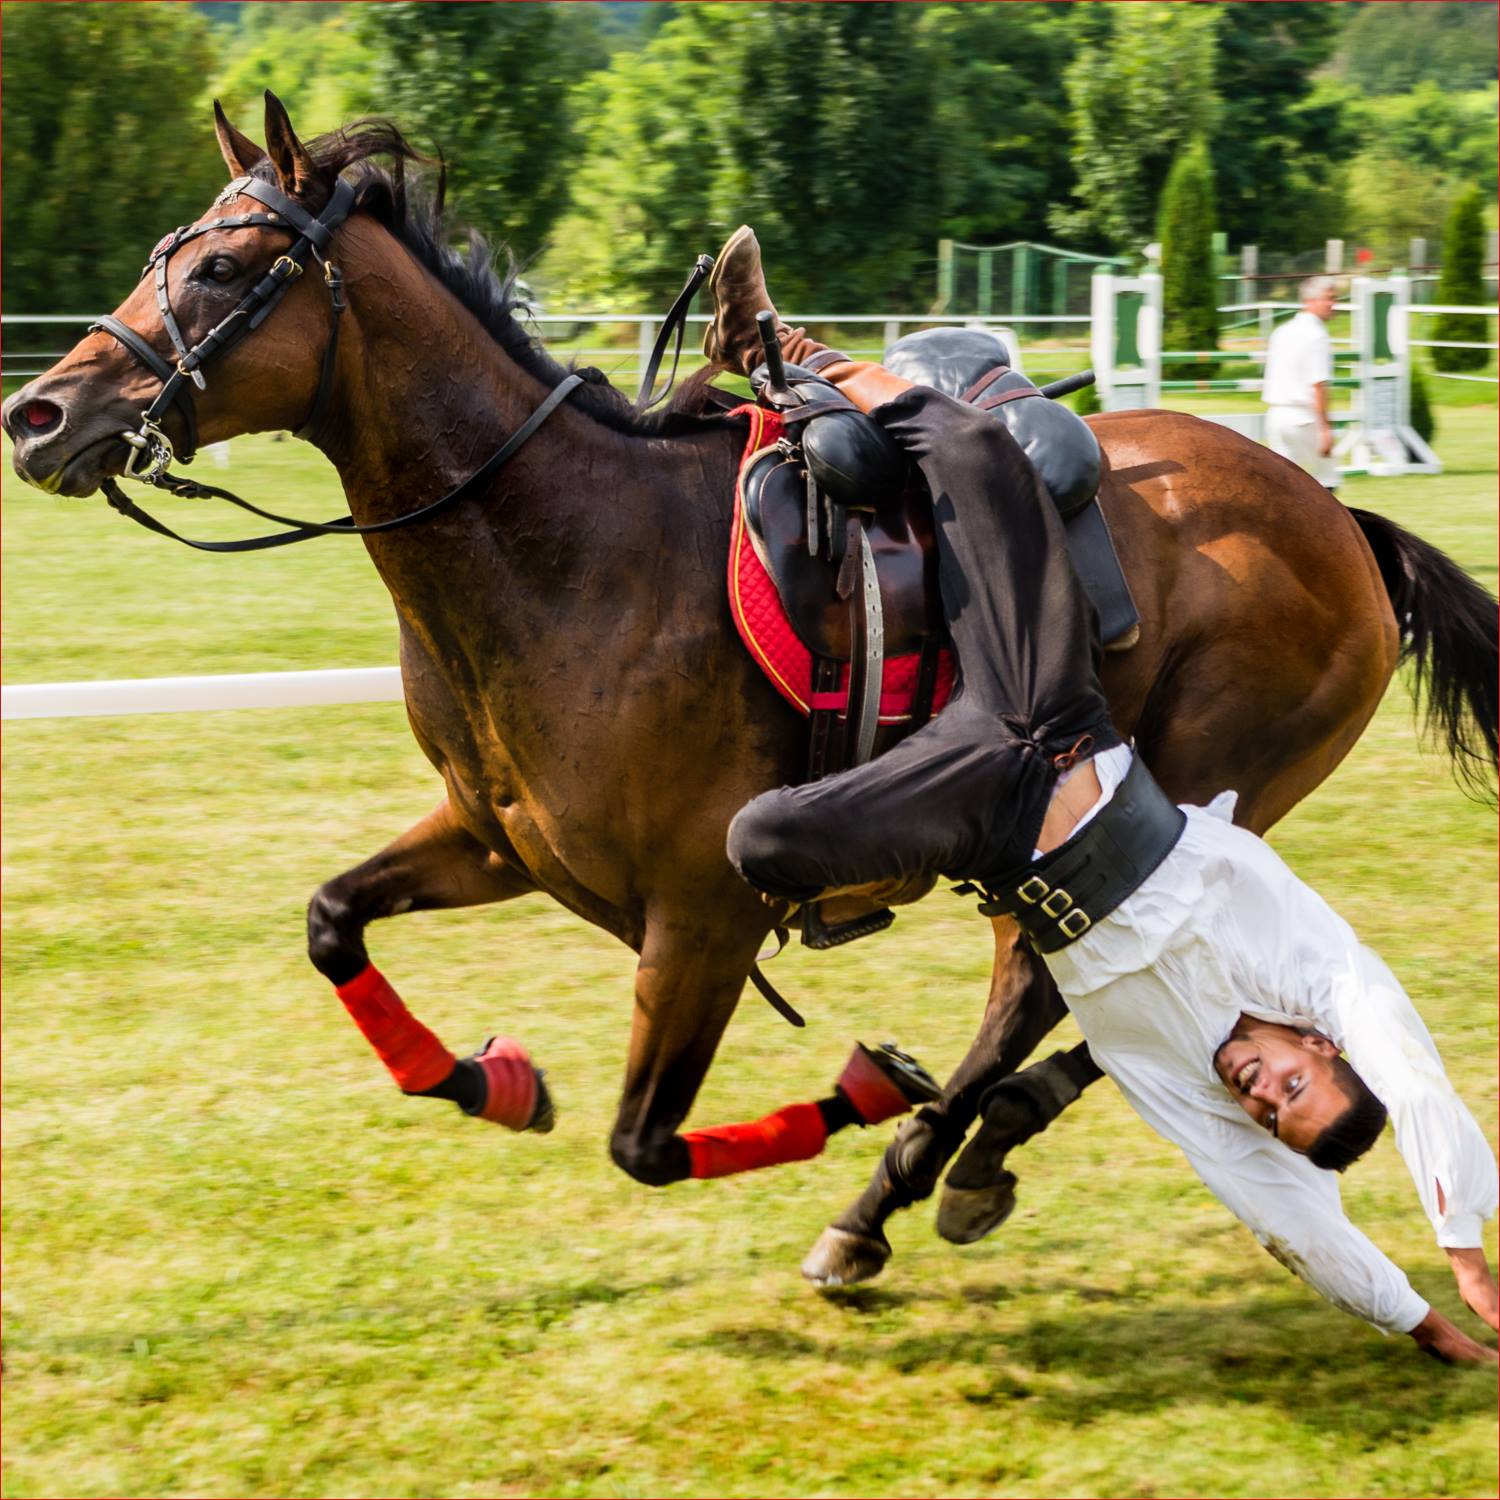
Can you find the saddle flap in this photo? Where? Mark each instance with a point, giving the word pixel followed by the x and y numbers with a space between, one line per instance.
pixel 773 494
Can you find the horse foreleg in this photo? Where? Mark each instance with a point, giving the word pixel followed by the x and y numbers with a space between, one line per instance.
pixel 435 865
pixel 1023 1007
pixel 686 988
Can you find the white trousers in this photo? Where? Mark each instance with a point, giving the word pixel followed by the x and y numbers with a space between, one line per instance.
pixel 1292 431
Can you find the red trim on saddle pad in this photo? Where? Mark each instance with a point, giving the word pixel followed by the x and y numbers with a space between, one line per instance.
pixel 768 634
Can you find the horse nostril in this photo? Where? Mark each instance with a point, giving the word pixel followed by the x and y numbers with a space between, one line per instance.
pixel 38 416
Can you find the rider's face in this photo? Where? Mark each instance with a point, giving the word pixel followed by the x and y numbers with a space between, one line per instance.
pixel 1283 1079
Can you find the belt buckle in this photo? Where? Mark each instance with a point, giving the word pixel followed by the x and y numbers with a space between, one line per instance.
pixel 1030 896
pixel 1074 923
pixel 1057 902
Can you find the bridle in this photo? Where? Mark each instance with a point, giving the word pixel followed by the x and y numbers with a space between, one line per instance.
pixel 152 449
pixel 152 452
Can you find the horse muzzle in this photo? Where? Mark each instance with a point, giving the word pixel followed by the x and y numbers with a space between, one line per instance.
pixel 63 447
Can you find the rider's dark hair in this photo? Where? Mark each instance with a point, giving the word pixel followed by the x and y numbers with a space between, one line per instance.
pixel 1342 1143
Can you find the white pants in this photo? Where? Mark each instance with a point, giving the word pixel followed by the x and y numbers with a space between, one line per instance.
pixel 1292 431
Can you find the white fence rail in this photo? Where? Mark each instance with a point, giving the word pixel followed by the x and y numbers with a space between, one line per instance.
pixel 172 695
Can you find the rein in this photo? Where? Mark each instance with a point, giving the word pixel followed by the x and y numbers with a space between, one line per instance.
pixel 152 449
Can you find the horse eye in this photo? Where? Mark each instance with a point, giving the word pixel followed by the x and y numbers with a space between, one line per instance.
pixel 220 268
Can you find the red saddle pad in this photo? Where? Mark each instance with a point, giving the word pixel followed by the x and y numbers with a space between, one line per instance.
pixel 768 634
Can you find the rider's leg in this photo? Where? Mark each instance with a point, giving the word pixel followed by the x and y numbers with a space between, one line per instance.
pixel 965 795
pixel 733 338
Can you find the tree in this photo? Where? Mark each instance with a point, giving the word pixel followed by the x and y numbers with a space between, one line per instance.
pixel 809 122
pixel 1139 89
pixel 1462 284
pixel 307 55
pixel 828 112
pixel 997 137
pixel 651 150
pixel 1390 48
pixel 108 143
pixel 1281 143
pixel 1190 318
pixel 488 86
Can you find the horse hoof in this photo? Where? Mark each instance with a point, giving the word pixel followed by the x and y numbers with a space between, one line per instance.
pixel 968 1214
pixel 544 1116
pixel 516 1093
pixel 841 1258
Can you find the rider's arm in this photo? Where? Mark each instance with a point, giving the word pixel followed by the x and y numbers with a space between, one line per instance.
pixel 1360 1004
pixel 1295 1212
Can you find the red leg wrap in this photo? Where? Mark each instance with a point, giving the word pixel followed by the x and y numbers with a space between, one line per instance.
pixel 415 1057
pixel 791 1134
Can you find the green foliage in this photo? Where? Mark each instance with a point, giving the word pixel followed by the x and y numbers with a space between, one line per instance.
pixel 997 137
pixel 651 147
pixel 1390 48
pixel 1279 146
pixel 1190 318
pixel 1138 92
pixel 487 85
pixel 809 122
pixel 1449 133
pixel 307 55
pixel 828 150
pixel 108 143
pixel 1423 422
pixel 851 137
pixel 1462 283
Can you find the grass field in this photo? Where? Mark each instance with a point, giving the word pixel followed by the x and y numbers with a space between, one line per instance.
pixel 239 1263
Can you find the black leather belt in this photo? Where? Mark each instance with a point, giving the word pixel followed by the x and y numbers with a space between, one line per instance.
pixel 1081 882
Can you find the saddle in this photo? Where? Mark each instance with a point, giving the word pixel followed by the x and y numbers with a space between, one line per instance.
pixel 839 603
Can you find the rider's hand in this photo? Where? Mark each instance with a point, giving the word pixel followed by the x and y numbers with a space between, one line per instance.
pixel 1476 1284
pixel 1325 440
pixel 1436 1336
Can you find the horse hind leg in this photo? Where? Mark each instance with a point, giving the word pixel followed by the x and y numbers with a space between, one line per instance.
pixel 1023 1006
pixel 435 865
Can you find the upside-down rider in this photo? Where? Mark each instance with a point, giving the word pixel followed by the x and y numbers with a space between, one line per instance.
pixel 1215 988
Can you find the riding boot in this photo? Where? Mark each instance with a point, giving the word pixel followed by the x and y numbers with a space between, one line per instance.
pixel 738 284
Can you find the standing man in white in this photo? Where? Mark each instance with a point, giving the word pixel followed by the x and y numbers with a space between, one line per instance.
pixel 1299 368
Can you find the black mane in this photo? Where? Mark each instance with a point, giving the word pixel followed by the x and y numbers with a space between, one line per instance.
pixel 474 275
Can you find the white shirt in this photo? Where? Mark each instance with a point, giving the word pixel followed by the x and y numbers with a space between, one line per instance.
pixel 1298 357
pixel 1223 927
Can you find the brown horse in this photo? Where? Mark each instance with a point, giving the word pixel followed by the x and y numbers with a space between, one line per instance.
pixel 570 665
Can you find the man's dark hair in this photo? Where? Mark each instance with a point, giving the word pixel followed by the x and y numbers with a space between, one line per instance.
pixel 1356 1130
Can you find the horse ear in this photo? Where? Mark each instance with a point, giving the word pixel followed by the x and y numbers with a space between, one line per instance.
pixel 241 154
pixel 294 167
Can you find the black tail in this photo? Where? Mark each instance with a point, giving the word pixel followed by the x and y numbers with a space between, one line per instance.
pixel 1450 629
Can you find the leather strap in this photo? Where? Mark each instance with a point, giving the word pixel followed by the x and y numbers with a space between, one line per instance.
pixel 1062 895
pixel 676 319
pixel 865 667
pixel 774 998
pixel 190 489
pixel 989 403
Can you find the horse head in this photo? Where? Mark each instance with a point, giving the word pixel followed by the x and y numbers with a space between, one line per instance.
pixel 174 366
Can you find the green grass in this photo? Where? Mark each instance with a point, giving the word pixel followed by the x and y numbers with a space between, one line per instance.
pixel 239 1263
